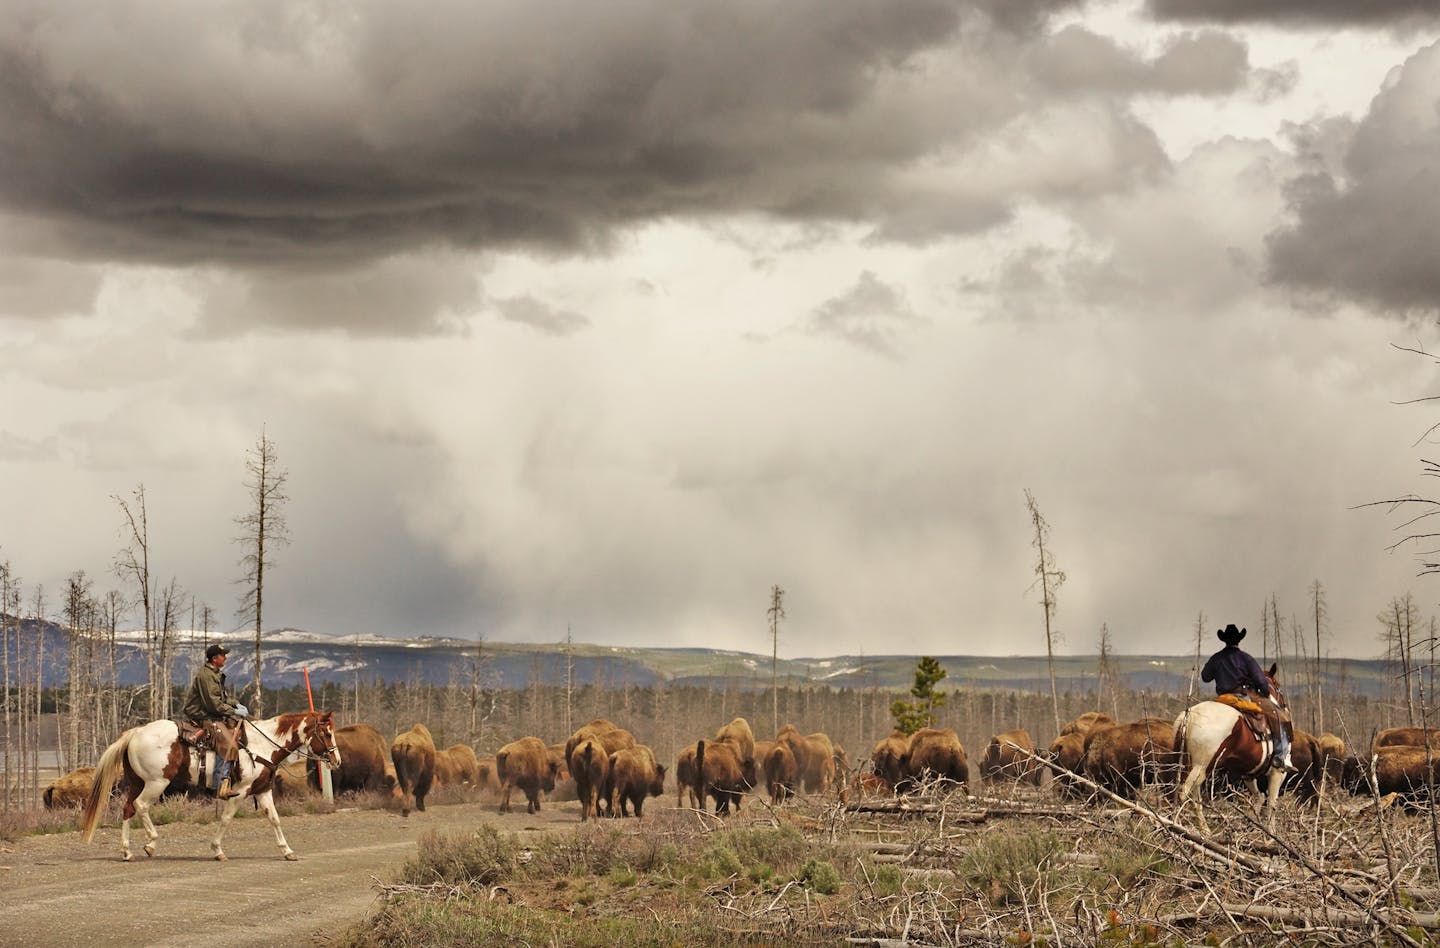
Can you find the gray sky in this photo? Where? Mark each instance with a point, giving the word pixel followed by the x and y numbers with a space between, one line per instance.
pixel 612 316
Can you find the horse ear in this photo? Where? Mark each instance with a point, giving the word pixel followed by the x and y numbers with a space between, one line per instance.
pixel 1274 668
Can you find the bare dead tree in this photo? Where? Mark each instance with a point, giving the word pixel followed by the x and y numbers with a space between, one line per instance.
pixel 78 613
pixel 1320 614
pixel 133 563
pixel 1049 578
pixel 776 612
pixel 263 528
pixel 1398 622
pixel 1199 647
pixel 9 635
pixel 169 603
pixel 569 679
pixel 112 607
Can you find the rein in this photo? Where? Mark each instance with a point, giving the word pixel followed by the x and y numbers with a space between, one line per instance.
pixel 298 749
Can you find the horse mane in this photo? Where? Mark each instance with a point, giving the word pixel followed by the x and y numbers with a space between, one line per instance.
pixel 289 723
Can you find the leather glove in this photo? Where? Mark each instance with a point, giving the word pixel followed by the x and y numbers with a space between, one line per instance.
pixel 241 711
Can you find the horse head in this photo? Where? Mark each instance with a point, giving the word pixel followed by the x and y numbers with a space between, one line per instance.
pixel 320 737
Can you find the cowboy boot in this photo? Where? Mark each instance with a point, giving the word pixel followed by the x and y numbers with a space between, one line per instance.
pixel 223 792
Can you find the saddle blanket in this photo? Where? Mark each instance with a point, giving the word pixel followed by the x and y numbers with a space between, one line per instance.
pixel 1239 703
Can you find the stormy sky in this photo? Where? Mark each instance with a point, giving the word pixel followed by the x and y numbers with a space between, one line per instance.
pixel 610 317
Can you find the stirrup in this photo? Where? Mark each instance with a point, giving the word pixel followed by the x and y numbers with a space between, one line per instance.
pixel 225 793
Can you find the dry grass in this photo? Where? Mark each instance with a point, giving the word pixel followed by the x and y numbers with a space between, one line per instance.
pixel 1014 866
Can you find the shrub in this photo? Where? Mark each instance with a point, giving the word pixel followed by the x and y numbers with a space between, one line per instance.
pixel 783 846
pixel 820 876
pixel 719 861
pixel 483 857
pixel 885 879
pixel 1004 864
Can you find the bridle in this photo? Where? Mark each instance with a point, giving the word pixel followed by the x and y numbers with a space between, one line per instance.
pixel 300 749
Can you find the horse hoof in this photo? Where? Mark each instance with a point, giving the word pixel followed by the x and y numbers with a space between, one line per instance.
pixel 221 857
pixel 127 858
pixel 150 851
pixel 291 857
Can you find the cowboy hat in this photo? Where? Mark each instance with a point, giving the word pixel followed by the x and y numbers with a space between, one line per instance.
pixel 1230 635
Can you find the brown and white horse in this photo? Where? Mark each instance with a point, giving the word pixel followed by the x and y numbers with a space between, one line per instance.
pixel 1213 737
pixel 151 757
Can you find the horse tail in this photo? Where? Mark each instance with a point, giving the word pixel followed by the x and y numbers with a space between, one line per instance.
pixel 109 767
pixel 1181 747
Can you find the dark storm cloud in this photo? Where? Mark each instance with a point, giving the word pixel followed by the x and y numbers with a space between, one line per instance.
pixel 1368 230
pixel 871 314
pixel 1312 12
pixel 1206 63
pixel 278 133
pixel 167 132
pixel 542 316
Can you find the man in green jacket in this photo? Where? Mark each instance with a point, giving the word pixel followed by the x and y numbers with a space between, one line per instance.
pixel 211 706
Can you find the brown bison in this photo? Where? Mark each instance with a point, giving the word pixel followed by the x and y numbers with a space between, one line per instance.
pixel 1126 757
pixel 564 784
pixel 935 753
pixel 720 773
pixel 868 785
pixel 590 766
pixel 486 776
pixel 738 733
pixel 1398 768
pixel 782 775
pixel 886 755
pixel 1067 753
pixel 634 775
pixel 1332 753
pixel 1309 763
pixel 1010 757
pixel 611 738
pixel 457 766
pixel 1088 722
pixel 814 757
pixel 365 763
pixel 70 790
pixel 1406 737
pixel 685 777
pixel 414 755
pixel 526 764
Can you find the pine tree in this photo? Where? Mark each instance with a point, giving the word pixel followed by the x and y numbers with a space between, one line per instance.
pixel 911 716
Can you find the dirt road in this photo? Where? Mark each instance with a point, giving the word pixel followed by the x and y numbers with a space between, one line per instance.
pixel 57 890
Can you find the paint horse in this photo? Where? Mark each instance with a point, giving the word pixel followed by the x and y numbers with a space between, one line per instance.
pixel 1212 737
pixel 152 757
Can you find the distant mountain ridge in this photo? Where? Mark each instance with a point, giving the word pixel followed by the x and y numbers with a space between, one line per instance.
pixel 286 653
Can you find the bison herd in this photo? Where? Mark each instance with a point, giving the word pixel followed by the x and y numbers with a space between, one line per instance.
pixel 613 774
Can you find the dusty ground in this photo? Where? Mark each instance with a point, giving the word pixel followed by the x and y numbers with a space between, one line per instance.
pixel 57 890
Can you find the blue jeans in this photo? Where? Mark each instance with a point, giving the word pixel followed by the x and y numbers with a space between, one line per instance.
pixel 1282 745
pixel 222 770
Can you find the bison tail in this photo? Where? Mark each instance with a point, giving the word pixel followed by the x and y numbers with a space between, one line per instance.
pixel 106 770
pixel 500 759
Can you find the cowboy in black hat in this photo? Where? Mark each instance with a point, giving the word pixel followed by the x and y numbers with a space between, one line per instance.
pixel 211 706
pixel 1235 671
